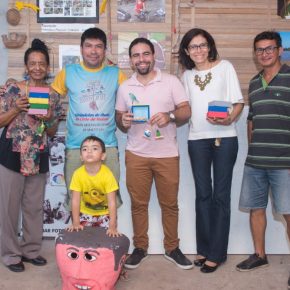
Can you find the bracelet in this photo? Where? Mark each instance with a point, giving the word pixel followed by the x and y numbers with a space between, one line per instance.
pixel 51 123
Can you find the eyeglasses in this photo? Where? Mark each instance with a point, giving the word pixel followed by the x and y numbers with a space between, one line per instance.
pixel 194 47
pixel 268 50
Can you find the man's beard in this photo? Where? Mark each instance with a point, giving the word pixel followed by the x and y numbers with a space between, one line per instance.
pixel 145 70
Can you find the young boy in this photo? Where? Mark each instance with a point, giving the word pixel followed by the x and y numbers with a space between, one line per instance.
pixel 94 189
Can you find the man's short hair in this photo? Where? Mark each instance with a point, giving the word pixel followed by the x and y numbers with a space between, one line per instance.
pixel 141 40
pixel 97 139
pixel 268 35
pixel 94 33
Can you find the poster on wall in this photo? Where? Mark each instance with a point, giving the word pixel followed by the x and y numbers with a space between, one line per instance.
pixel 55 215
pixel 157 38
pixel 69 54
pixel 285 35
pixel 283 8
pixel 141 11
pixel 68 11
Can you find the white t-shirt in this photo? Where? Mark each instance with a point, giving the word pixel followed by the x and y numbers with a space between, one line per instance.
pixel 224 86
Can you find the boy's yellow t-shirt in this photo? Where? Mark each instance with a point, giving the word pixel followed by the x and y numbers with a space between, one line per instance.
pixel 94 189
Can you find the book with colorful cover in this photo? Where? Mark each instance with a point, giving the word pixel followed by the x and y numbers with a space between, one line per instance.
pixel 38 100
pixel 218 109
pixel 220 103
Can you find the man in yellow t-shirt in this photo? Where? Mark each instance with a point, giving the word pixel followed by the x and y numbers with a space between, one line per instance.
pixel 91 88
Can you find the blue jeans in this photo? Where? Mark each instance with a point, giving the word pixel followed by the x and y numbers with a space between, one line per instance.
pixel 213 198
pixel 255 189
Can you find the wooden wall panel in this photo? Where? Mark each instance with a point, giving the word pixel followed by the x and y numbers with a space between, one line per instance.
pixel 233 24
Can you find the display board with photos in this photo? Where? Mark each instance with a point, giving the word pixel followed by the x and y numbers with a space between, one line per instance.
pixel 69 11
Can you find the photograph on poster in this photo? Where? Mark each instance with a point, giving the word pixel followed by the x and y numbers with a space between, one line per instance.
pixel 283 8
pixel 68 11
pixel 56 154
pixel 54 211
pixel 56 160
pixel 68 54
pixel 141 11
pixel 64 108
pixel 157 38
pixel 285 35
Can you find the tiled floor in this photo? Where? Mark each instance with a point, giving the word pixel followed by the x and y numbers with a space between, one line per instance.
pixel 157 273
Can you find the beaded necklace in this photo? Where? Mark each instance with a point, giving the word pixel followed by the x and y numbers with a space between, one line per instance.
pixel 202 83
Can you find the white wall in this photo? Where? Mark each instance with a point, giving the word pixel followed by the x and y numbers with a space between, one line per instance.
pixel 240 237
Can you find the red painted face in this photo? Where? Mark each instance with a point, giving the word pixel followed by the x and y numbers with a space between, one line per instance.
pixel 86 268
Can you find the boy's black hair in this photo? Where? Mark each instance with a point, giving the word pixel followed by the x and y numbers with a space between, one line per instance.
pixel 94 138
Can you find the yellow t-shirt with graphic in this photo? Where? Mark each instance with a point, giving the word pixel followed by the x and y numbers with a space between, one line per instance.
pixel 94 189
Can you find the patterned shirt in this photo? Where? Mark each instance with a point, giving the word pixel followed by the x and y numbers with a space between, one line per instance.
pixel 22 148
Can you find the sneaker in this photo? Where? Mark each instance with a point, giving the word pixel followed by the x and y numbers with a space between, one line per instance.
pixel 252 263
pixel 178 259
pixel 135 259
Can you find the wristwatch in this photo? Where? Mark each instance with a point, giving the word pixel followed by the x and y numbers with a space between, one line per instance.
pixel 172 117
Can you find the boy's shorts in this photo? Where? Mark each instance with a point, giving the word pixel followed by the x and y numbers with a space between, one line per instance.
pixel 255 189
pixel 94 221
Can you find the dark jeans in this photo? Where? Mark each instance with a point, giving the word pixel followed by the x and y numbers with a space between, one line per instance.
pixel 213 199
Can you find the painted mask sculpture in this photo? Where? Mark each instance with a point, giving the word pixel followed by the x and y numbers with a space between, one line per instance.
pixel 90 259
